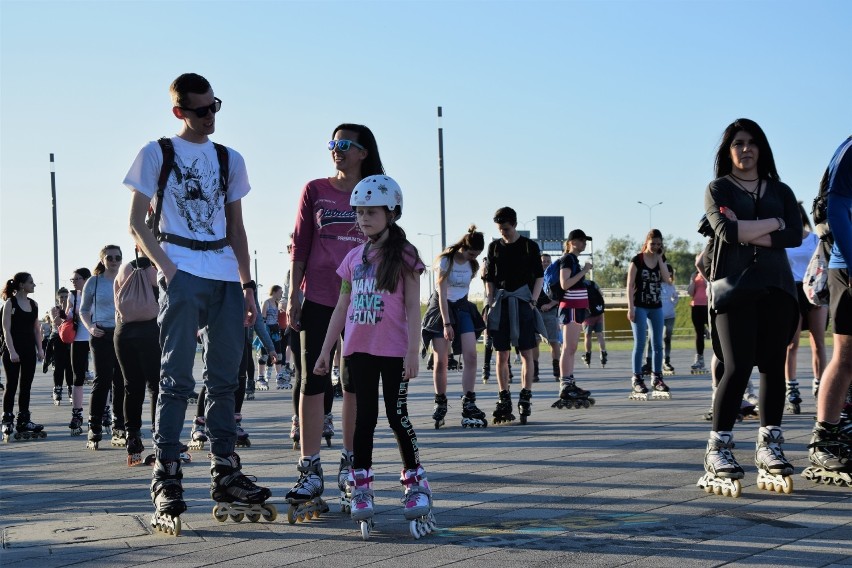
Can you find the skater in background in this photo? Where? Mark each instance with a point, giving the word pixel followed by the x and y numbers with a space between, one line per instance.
pixel 97 315
pixel 830 449
pixel 379 306
pixel 699 314
pixel 549 310
pixel 645 276
pixel 573 308
pixel 754 298
pixel 453 324
pixel 203 258
pixel 137 348
pixel 21 350
pixel 79 348
pixel 63 374
pixel 324 233
pixel 595 323
pixel 813 319
pixel 669 299
pixel 269 315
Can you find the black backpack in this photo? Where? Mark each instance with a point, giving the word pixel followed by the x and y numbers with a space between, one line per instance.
pixel 153 220
pixel 819 212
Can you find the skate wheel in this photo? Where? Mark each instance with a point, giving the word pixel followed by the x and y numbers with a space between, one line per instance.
pixel 270 513
pixel 237 517
pixel 291 515
pixel 761 485
pixel 365 530
pixel 717 490
pixel 175 528
pixel 414 529
pixel 221 517
pixel 523 419
pixel 253 517
pixel 738 489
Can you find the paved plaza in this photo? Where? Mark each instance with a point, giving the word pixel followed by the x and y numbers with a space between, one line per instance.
pixel 613 485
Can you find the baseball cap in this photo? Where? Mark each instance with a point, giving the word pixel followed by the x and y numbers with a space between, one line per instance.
pixel 578 234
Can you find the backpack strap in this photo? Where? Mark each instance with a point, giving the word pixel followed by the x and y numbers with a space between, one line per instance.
pixel 168 151
pixel 224 171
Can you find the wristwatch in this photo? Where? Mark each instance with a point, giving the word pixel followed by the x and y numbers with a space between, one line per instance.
pixel 250 285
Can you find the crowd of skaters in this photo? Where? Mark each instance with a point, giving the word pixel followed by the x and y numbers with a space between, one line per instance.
pixel 353 291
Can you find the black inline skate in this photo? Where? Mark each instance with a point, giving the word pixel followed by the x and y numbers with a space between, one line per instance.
pixel 167 496
pixel 95 434
pixel 524 405
pixel 572 396
pixel 343 481
pixel 57 395
pixel 305 498
pixel 236 495
pixel 638 389
pixel 8 426
pixel 830 454
pixel 660 390
pixel 119 435
pixel 452 363
pixel 26 429
pixel 646 368
pixel 556 371
pixel 503 411
pixel 668 370
pixel 587 358
pixel 135 447
pixel 697 367
pixel 439 411
pixel 486 373
pixel 472 416
pixel 198 437
pixel 794 398
pixel 76 424
pixel 249 389
pixel 328 428
pixel 243 440
pixel 603 359
pixel 106 420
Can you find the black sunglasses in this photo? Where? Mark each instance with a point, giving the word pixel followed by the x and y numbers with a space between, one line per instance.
pixel 111 258
pixel 201 112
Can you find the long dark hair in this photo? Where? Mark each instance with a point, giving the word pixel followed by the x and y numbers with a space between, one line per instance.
pixel 472 240
pixel 14 284
pixel 372 164
pixel 765 160
pixel 100 268
pixel 397 254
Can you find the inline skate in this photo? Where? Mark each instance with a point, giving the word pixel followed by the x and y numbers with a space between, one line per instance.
pixel 430 363
pixel 95 434
pixel 119 435
pixel 418 502
pixel 294 431
pixel 439 411
pixel 249 389
pixel 668 370
pixel 773 469
pixel 337 382
pixel 76 424
pixel 283 380
pixel 328 428
pixel 830 454
pixel 587 358
pixel 723 473
pixel 794 398
pixel 524 405
pixel 198 437
pixel 660 390
pixel 57 395
pixel 486 373
pixel 236 495
pixel 8 426
pixel 242 436
pixel 638 390
pixel 261 384
pixel 604 357
pixel 472 416
pixel 556 371
pixel 535 372
pixel 361 488
pixel 452 363
pixel 572 396
pixel 167 497
pixel 503 411
pixel 26 429
pixel 815 386
pixel 698 368
pixel 106 420
pixel 134 448
pixel 305 498
pixel 343 481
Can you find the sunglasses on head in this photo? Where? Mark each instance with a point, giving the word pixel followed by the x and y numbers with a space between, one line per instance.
pixel 201 112
pixel 111 258
pixel 343 145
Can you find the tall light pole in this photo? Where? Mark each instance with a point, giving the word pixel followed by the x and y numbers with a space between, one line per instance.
pixel 524 223
pixel 441 177
pixel 650 209
pixel 55 237
pixel 432 256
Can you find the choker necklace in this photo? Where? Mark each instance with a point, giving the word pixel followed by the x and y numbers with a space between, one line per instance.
pixel 753 193
pixel 742 179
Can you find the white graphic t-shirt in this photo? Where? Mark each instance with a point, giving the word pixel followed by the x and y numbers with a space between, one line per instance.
pixel 193 202
pixel 458 278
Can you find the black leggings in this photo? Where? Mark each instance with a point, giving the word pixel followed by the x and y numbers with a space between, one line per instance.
pixel 755 332
pixel 107 376
pixel 365 371
pixel 315 320
pixel 22 374
pixel 139 359
pixel 80 361
pixel 699 320
pixel 62 363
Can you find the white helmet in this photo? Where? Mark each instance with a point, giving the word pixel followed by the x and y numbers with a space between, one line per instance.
pixel 378 191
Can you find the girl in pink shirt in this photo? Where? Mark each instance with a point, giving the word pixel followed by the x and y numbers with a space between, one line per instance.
pixel 379 306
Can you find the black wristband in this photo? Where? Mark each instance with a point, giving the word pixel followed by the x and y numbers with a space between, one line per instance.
pixel 250 285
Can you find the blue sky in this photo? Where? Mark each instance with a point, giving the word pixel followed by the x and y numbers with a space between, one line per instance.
pixel 554 108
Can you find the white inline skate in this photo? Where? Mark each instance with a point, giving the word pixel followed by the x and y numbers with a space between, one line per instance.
pixel 361 484
pixel 295 431
pixel 773 469
pixel 418 502
pixel 638 389
pixel 723 473
pixel 698 367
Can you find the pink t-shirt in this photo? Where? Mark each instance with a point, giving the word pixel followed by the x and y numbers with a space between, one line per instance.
pixel 699 294
pixel 375 319
pixel 325 231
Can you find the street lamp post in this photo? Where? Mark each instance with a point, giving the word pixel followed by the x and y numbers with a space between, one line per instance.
pixel 55 235
pixel 650 209
pixel 432 256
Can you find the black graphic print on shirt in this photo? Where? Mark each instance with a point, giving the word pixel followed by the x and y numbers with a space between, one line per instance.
pixel 198 193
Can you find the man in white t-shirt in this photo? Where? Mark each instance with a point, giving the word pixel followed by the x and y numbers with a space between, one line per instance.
pixel 200 247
